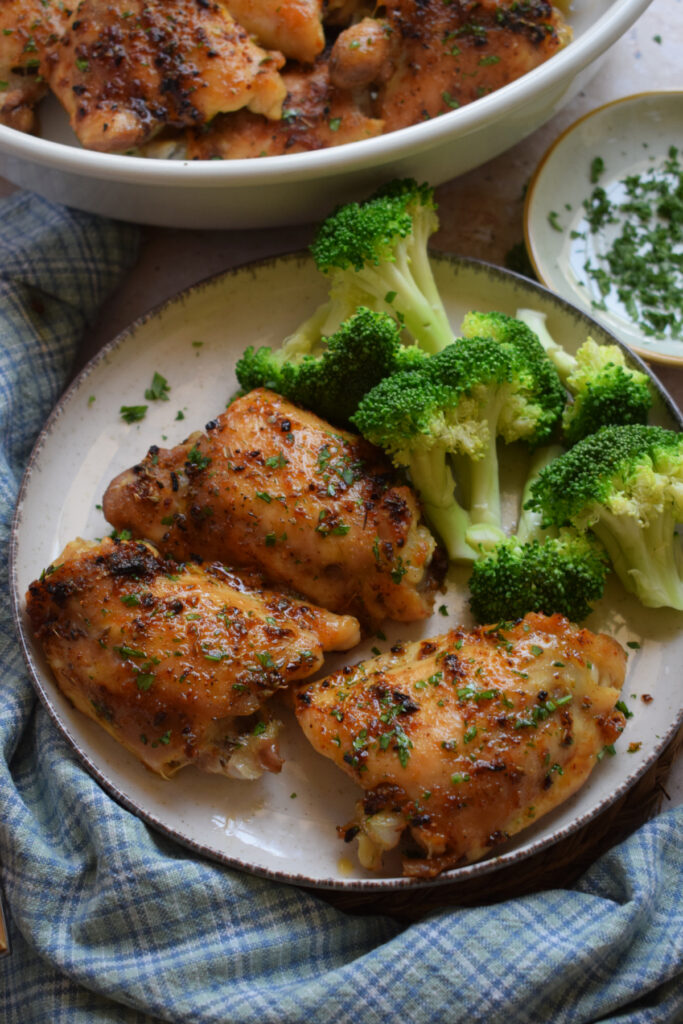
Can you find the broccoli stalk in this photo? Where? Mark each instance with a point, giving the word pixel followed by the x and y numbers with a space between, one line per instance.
pixel 605 390
pixel 564 363
pixel 330 375
pixel 432 477
pixel 624 484
pixel 529 526
pixel 517 395
pixel 375 253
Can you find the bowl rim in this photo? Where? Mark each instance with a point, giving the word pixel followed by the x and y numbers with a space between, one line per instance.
pixel 323 163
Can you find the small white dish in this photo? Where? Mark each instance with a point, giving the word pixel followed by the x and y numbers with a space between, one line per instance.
pixel 284 826
pixel 631 136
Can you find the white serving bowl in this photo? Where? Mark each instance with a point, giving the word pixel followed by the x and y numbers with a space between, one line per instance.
pixel 302 187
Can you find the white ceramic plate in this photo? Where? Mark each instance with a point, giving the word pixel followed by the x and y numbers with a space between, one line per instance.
pixel 301 188
pixel 631 136
pixel 194 340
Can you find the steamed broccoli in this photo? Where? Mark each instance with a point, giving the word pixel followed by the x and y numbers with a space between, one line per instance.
pixel 625 485
pixel 406 415
pixel 606 391
pixel 510 390
pixel 538 570
pixel 562 574
pixel 456 403
pixel 331 376
pixel 375 253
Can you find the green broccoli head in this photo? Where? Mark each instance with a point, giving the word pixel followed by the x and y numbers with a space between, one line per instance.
pixel 563 574
pixel 403 413
pixel 376 250
pixel 499 389
pixel 606 392
pixel 361 353
pixel 331 376
pixel 406 415
pixel 259 368
pixel 535 414
pixel 625 484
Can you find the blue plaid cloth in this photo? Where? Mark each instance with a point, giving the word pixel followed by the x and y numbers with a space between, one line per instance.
pixel 110 921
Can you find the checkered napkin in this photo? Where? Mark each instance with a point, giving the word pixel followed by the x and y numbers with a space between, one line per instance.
pixel 110 921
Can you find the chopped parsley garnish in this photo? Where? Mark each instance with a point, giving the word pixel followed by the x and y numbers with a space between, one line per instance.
pixel 635 253
pixel 158 390
pixel 597 167
pixel 196 459
pixel 133 413
pixel 554 222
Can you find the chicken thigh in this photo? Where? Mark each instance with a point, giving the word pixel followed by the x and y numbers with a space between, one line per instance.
pixel 464 740
pixel 125 70
pixel 174 661
pixel 28 28
pixel 445 55
pixel 294 27
pixel 270 485
pixel 315 115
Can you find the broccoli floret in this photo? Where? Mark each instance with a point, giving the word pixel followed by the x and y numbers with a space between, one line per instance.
pixel 605 390
pixel 625 485
pixel 538 570
pixel 563 362
pixel 509 390
pixel 405 415
pixel 562 574
pixel 455 404
pixel 330 377
pixel 375 253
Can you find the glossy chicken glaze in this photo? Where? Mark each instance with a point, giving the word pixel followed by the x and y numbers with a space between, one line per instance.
pixel 270 485
pixel 173 660
pixel 463 740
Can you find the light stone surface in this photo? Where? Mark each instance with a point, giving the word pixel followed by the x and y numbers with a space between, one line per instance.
pixel 480 212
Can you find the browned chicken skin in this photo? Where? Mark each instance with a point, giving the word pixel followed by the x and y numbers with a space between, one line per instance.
pixel 361 54
pixel 445 55
pixel 125 70
pixel 314 116
pixel 271 485
pixel 28 28
pixel 294 27
pixel 176 661
pixel 465 739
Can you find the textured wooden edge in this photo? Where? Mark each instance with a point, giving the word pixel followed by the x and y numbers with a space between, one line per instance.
pixel 559 866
